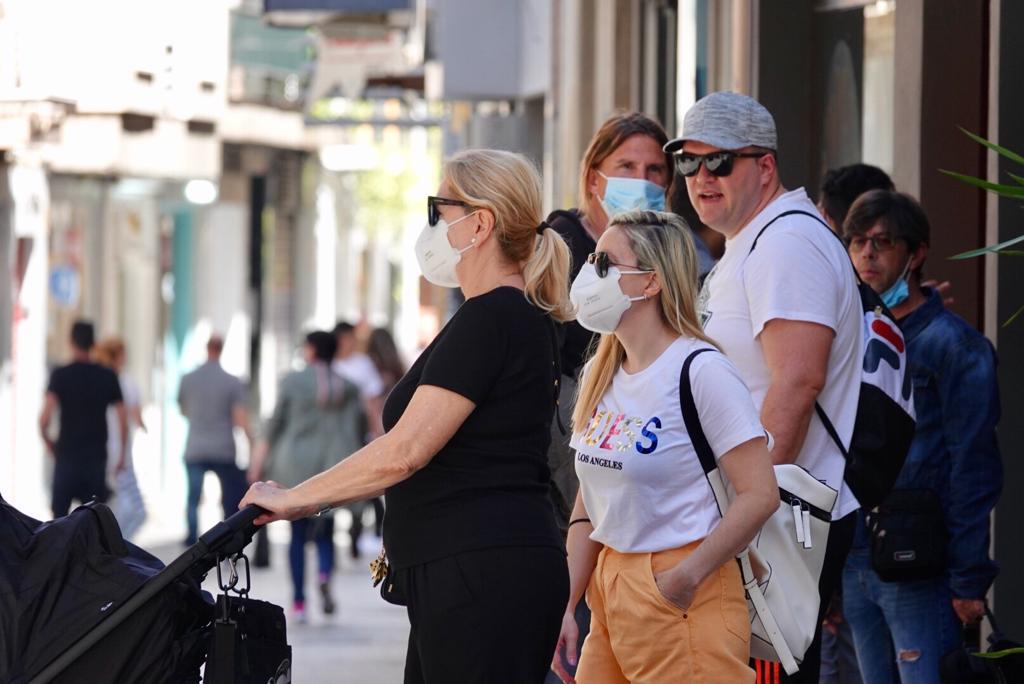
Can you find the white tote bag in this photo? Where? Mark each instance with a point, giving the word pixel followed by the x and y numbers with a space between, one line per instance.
pixel 782 565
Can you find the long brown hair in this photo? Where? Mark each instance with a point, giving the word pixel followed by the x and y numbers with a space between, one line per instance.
pixel 616 130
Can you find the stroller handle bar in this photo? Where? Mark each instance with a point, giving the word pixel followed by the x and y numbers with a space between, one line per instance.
pixel 234 534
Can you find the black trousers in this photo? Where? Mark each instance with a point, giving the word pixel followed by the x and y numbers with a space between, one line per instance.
pixel 491 615
pixel 80 476
pixel 840 538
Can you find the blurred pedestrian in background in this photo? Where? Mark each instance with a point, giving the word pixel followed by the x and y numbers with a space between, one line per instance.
pixel 383 351
pixel 352 363
pixel 214 403
pixel 81 391
pixel 128 505
pixel 470 533
pixel 316 423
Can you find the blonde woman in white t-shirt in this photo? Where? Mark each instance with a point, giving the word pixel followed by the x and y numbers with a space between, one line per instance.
pixel 646 541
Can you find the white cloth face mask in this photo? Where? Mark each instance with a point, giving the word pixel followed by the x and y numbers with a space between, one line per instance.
pixel 600 302
pixel 436 256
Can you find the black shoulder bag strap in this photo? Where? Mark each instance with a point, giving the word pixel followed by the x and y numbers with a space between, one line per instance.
pixel 829 428
pixel 690 417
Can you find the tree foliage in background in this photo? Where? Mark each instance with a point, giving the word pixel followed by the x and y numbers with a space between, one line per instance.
pixel 1014 191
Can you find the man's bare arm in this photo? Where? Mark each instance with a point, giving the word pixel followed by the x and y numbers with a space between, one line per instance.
pixel 796 353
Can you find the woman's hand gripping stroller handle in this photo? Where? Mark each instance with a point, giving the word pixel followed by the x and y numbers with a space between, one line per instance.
pixel 234 534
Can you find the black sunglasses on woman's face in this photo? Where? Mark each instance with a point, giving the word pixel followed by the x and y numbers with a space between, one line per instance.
pixel 433 214
pixel 601 262
pixel 717 163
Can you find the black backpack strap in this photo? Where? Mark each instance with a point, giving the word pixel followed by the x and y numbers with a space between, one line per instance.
pixel 830 429
pixel 557 365
pixel 690 417
pixel 791 212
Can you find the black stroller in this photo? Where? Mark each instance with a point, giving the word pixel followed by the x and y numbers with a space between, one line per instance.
pixel 80 604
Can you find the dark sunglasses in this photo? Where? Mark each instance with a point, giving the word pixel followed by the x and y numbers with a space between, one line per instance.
pixel 879 243
pixel 433 214
pixel 717 163
pixel 601 262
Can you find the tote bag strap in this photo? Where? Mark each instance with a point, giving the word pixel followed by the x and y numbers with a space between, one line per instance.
pixel 707 461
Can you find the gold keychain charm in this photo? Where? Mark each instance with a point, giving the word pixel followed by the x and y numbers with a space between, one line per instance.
pixel 379 568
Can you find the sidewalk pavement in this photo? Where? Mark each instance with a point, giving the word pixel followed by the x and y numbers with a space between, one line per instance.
pixel 365 639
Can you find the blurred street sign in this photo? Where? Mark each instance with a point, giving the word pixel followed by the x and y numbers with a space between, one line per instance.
pixel 64 286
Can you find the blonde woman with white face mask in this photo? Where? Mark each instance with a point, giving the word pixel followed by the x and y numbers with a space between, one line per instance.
pixel 470 533
pixel 646 540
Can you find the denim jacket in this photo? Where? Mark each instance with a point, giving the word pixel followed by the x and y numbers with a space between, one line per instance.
pixel 954 452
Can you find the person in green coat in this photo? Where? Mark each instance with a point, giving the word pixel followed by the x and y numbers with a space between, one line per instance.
pixel 318 421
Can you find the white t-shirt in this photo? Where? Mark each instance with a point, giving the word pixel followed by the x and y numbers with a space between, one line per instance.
pixel 800 272
pixel 360 371
pixel 130 396
pixel 640 477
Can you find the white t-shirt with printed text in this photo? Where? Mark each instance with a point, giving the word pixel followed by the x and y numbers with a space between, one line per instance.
pixel 640 478
pixel 799 271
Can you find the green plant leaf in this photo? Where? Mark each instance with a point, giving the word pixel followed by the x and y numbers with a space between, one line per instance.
pixel 1019 179
pixel 986 250
pixel 1000 654
pixel 1012 156
pixel 1010 252
pixel 1011 319
pixel 1004 190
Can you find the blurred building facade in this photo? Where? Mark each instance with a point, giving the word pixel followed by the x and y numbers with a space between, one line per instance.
pixel 171 186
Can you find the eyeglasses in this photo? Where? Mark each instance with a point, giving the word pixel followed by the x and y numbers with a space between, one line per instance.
pixel 601 262
pixel 879 243
pixel 433 214
pixel 717 163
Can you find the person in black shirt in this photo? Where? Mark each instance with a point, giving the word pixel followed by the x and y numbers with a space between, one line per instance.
pixel 82 390
pixel 470 532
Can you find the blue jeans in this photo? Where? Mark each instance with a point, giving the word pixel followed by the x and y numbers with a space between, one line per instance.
pixel 322 531
pixel 901 629
pixel 232 487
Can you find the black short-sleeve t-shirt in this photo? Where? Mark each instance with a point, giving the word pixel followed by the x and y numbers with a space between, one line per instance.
pixel 84 391
pixel 576 339
pixel 488 486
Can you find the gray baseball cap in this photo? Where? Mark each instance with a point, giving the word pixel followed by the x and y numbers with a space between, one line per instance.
pixel 729 121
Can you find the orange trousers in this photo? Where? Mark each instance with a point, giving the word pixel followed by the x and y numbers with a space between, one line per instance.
pixel 637 635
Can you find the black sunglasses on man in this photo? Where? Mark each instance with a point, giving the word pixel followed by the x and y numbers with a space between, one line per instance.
pixel 717 163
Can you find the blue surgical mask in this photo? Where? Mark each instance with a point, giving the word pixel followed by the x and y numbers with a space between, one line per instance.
pixel 898 293
pixel 627 194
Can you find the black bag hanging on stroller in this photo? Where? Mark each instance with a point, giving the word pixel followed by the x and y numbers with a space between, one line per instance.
pixel 78 603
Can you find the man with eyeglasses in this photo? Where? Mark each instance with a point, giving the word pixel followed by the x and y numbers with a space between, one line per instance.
pixel 782 303
pixel 902 629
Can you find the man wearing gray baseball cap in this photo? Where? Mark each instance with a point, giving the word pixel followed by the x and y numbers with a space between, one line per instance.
pixel 782 303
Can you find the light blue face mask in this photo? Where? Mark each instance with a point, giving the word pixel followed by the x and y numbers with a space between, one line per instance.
pixel 898 293
pixel 627 194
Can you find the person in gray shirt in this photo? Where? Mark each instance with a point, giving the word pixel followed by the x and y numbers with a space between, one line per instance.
pixel 213 401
